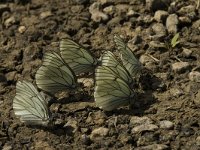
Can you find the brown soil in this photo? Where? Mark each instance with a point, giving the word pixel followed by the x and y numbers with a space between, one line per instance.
pixel 29 29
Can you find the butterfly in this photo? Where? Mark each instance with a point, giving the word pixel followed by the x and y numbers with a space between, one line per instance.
pixel 55 75
pixel 115 67
pixel 30 105
pixel 130 62
pixel 111 84
pixel 77 57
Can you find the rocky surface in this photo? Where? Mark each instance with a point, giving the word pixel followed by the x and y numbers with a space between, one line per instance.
pixel 166 114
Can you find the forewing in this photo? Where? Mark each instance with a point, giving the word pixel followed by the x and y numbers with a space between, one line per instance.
pixel 131 63
pixel 110 92
pixel 115 67
pixel 29 105
pixel 55 75
pixel 78 58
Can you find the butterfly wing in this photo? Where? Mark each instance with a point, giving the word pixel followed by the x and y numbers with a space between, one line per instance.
pixel 78 58
pixel 110 92
pixel 29 105
pixel 54 75
pixel 115 67
pixel 131 63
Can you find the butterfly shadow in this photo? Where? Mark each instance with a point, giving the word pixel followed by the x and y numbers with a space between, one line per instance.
pixel 148 84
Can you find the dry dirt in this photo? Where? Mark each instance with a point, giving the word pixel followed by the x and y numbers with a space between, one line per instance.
pixel 169 93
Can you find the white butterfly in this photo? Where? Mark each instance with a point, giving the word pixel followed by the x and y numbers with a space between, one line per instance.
pixel 130 62
pixel 115 67
pixel 112 88
pixel 30 105
pixel 55 75
pixel 77 57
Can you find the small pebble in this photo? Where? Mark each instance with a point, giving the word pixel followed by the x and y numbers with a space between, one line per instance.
pixel 187 52
pixel 145 59
pixel 99 16
pixel 171 23
pixel 144 127
pixel 186 10
pixel 45 14
pixel 165 124
pixel 87 82
pixel 10 21
pixel 196 24
pixel 109 10
pixel 161 16
pixel 22 29
pixel 157 45
pixel 99 133
pixel 136 121
pixel 175 92
pixel 96 14
pixel 10 76
pixel 180 66
pixel 194 76
pixel 71 125
pixel 198 140
pixel 159 29
pixel 7 147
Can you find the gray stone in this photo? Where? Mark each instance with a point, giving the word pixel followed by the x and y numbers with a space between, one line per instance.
pixel 96 14
pixel 157 45
pixel 71 125
pixel 161 15
pixel 159 29
pixel 7 146
pixel 194 76
pixel 144 127
pixel 145 59
pixel 171 23
pixel 180 66
pixel 98 133
pixel 165 124
pixel 136 121
pixel 87 82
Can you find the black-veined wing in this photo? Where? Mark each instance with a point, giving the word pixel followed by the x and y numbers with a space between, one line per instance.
pixel 115 67
pixel 30 105
pixel 131 63
pixel 77 57
pixel 55 75
pixel 111 92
